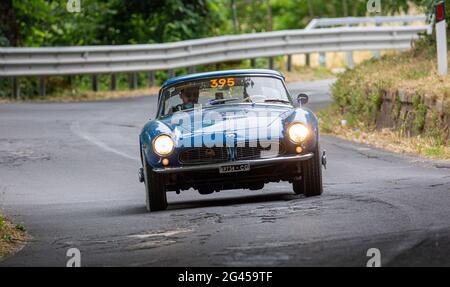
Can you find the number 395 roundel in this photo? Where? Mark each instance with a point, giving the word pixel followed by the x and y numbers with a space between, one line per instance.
pixel 227 130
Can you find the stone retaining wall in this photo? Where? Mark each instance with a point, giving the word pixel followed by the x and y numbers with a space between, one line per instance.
pixel 414 114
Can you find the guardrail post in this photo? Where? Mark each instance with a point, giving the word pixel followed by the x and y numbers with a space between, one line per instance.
pixel 192 70
pixel 253 63
pixel 307 60
pixel 94 83
pixel 289 63
pixel 441 38
pixel 322 60
pixel 376 53
pixel 151 78
pixel 171 73
pixel 42 90
pixel 350 63
pixel 70 81
pixel 15 88
pixel 113 82
pixel 271 63
pixel 133 83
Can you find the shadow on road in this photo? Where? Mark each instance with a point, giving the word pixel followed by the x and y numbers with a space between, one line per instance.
pixel 211 201
pixel 230 201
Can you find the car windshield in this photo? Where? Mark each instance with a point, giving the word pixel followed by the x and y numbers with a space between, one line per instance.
pixel 224 90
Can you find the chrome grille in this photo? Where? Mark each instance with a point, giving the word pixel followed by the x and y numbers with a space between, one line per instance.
pixel 248 152
pixel 205 155
pixel 257 150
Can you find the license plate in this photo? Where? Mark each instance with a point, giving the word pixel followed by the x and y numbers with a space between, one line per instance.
pixel 234 168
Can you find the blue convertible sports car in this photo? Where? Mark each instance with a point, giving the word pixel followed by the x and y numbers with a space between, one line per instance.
pixel 226 130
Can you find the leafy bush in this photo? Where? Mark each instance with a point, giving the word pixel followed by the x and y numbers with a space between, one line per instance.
pixel 420 112
pixel 20 227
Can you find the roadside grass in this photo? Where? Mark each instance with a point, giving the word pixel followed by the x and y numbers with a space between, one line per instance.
pixel 358 102
pixel 304 73
pixel 12 237
pixel 411 71
pixel 330 122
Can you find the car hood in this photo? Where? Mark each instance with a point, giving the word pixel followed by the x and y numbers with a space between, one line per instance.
pixel 223 118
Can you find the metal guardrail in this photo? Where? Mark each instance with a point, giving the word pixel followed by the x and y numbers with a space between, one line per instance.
pixel 378 21
pixel 134 58
pixel 22 62
pixel 352 21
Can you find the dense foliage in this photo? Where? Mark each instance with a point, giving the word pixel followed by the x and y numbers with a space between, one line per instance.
pixel 48 23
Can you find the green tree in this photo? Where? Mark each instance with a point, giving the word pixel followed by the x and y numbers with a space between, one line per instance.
pixel 48 23
pixel 160 21
pixel 9 31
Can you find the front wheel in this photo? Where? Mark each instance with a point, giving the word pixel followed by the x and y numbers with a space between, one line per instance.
pixel 311 182
pixel 155 191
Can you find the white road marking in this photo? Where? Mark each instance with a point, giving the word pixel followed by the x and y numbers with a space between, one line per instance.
pixel 76 129
pixel 160 234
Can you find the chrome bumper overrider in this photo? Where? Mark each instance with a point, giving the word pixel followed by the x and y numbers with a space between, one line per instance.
pixel 254 162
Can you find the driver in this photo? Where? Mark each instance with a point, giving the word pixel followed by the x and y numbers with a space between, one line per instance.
pixel 189 97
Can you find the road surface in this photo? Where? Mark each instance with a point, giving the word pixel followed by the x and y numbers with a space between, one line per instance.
pixel 69 173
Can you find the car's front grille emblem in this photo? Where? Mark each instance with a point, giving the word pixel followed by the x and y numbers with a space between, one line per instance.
pixel 210 153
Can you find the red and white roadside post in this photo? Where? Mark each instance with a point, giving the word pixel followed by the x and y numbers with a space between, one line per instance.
pixel 441 38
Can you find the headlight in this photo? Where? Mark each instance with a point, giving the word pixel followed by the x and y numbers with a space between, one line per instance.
pixel 163 145
pixel 298 133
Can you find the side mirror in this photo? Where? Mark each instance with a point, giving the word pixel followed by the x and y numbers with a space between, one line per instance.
pixel 302 99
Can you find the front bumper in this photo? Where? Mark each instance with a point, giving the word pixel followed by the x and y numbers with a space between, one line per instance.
pixel 253 163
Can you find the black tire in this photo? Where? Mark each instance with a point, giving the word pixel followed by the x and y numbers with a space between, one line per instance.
pixel 297 186
pixel 311 182
pixel 155 193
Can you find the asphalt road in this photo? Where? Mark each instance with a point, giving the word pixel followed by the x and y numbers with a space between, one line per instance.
pixel 69 173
